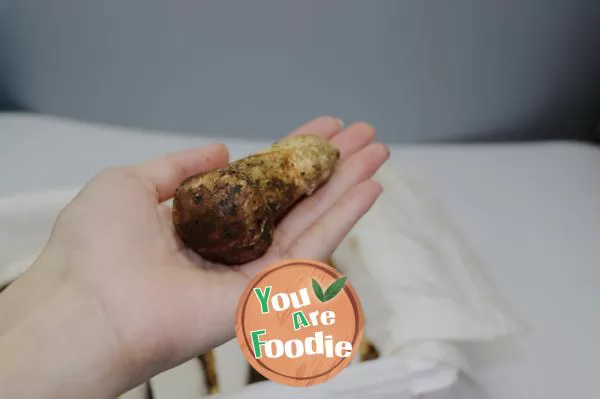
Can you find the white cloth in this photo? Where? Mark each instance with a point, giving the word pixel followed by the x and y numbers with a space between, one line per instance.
pixel 420 285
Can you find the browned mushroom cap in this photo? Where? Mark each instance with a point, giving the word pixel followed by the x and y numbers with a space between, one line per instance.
pixel 223 217
pixel 229 215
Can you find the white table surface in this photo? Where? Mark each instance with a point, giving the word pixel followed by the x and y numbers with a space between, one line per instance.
pixel 531 211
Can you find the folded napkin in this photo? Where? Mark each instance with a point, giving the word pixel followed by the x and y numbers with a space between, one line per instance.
pixel 421 287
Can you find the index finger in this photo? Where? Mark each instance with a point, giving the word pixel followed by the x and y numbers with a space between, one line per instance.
pixel 326 126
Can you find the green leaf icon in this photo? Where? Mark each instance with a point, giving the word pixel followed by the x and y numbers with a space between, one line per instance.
pixel 334 289
pixel 318 290
pixel 331 292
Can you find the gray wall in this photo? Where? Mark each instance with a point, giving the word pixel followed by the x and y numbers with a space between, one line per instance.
pixel 417 69
pixel 3 53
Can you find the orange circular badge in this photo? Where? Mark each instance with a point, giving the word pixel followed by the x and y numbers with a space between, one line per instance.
pixel 299 322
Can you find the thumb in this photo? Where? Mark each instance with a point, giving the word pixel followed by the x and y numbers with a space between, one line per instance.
pixel 165 173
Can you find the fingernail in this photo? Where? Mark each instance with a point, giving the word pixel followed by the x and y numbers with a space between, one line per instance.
pixel 340 122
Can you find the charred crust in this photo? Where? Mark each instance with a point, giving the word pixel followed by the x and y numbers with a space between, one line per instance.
pixel 227 206
pixel 273 205
pixel 278 184
pixel 267 235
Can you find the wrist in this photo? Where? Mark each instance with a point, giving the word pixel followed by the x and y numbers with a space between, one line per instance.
pixel 61 348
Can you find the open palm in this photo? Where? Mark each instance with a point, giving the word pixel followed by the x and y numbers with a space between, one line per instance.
pixel 162 303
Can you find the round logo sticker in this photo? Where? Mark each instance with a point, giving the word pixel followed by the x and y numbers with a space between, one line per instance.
pixel 299 322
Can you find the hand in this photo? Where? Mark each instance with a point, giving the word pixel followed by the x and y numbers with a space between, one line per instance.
pixel 148 303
